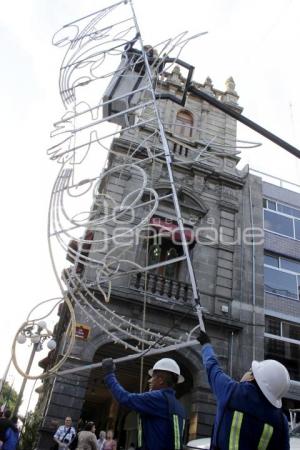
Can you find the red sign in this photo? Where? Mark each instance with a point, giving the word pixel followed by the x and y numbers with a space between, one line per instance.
pixel 82 331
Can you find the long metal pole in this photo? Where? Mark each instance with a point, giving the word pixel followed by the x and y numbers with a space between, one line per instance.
pixel 196 299
pixel 21 392
pixel 153 351
pixel 2 381
pixel 249 123
pixel 253 278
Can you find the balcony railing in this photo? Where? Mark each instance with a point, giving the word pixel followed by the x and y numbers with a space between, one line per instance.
pixel 179 149
pixel 163 287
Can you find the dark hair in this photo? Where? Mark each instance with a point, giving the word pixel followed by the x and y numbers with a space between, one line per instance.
pixel 7 413
pixel 14 419
pixel 89 426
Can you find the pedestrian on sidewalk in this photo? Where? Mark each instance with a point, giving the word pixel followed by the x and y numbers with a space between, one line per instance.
pixel 110 443
pixel 101 440
pixel 65 434
pixel 87 439
pixel 5 423
pixel 12 435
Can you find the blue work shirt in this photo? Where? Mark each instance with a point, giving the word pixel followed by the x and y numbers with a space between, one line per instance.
pixel 11 439
pixel 247 398
pixel 153 408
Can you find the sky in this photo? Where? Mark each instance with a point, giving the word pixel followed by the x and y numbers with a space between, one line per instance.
pixel 254 41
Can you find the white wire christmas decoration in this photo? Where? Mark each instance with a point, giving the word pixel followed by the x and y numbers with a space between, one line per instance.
pixel 102 243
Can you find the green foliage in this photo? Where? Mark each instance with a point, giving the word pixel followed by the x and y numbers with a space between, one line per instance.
pixel 29 434
pixel 8 396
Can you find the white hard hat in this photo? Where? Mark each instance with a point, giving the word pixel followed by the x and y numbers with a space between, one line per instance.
pixel 273 380
pixel 168 365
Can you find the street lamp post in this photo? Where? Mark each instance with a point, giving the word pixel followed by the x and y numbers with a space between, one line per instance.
pixel 37 339
pixel 2 381
pixel 21 392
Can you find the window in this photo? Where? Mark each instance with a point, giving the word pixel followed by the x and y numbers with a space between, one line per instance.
pixel 282 276
pixel 281 283
pixel 172 269
pixel 285 352
pixel 278 224
pixel 281 219
pixel 165 251
pixel 272 205
pixel 288 210
pixel 280 207
pixel 271 260
pixel 184 124
pixel 273 325
pixel 290 330
pixel 284 209
pixel 297 229
pixel 289 264
pixel 154 254
pixel 273 347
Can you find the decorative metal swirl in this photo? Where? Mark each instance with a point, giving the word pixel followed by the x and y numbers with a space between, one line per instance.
pixel 96 240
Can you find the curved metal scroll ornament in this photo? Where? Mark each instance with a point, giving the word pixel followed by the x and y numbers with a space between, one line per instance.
pixel 96 240
pixel 83 235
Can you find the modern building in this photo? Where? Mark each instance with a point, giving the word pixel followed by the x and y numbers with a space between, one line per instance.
pixel 221 208
pixel 281 208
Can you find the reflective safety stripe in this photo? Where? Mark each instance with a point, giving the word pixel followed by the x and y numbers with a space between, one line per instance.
pixel 265 437
pixel 235 430
pixel 176 432
pixel 183 426
pixel 140 432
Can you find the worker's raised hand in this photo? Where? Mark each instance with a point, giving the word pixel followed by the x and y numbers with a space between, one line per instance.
pixel 108 366
pixel 203 338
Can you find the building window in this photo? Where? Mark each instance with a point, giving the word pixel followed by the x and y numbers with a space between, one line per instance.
pixel 281 219
pixel 171 271
pixel 271 260
pixel 276 347
pixel 290 330
pixel 297 229
pixel 154 254
pixel 278 224
pixel 184 124
pixel 273 326
pixel 165 251
pixel 282 276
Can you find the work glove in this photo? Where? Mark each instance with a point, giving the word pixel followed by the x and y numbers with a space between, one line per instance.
pixel 203 338
pixel 108 366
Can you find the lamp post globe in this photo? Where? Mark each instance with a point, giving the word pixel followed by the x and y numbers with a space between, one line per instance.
pixel 51 344
pixel 42 324
pixel 21 339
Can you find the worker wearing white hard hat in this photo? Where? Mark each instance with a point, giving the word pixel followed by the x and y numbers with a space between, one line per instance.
pixel 162 416
pixel 249 414
pixel 272 378
pixel 168 365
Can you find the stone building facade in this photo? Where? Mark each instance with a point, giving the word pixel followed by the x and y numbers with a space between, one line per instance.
pixel 223 207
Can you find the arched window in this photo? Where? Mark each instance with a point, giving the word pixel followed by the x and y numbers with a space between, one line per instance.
pixel 154 254
pixel 172 269
pixel 184 123
pixel 165 251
